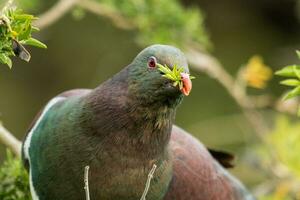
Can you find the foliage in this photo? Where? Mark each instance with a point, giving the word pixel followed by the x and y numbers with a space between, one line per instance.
pixel 285 162
pixel 175 75
pixel 257 74
pixel 14 180
pixel 292 72
pixel 281 150
pixel 285 141
pixel 15 31
pixel 163 21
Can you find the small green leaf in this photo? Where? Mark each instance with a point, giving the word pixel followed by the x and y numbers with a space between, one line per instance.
pixel 297 71
pixel 163 69
pixel 2 58
pixel 290 82
pixel 180 70
pixel 169 76
pixel 174 69
pixel 298 53
pixel 5 60
pixel 9 62
pixel 293 93
pixel 33 42
pixel 18 15
pixel 25 31
pixel 288 71
pixel 180 85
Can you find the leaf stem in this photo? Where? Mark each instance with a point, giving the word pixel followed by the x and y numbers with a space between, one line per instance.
pixel 10 141
pixel 150 177
pixel 86 182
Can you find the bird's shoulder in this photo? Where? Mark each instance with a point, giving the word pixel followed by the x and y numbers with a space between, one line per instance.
pixel 63 95
pixel 43 112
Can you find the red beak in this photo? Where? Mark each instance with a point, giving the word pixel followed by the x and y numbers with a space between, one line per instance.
pixel 186 84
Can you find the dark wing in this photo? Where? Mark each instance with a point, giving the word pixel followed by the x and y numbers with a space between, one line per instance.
pixel 66 94
pixel 197 175
pixel 224 158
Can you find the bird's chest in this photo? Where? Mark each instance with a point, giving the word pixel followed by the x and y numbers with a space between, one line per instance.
pixel 115 177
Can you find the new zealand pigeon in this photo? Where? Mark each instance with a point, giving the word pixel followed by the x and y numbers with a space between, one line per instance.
pixel 121 129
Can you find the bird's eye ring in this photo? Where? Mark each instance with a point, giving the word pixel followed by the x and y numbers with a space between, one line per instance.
pixel 152 62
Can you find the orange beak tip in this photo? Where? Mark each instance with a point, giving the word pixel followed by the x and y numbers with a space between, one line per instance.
pixel 185 92
pixel 187 84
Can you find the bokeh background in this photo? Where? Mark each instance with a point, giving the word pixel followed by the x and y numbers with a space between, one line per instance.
pixel 85 49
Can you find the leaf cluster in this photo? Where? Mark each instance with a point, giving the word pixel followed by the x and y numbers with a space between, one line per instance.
pixel 174 74
pixel 14 184
pixel 292 72
pixel 163 21
pixel 284 141
pixel 15 31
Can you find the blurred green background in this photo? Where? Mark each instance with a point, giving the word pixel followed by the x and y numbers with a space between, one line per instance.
pixel 82 53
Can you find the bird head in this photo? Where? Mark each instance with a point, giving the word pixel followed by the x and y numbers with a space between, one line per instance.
pixel 160 73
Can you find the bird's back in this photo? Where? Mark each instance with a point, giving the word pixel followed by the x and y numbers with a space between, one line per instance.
pixel 197 175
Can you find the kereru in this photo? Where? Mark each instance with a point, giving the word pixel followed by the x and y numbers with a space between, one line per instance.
pixel 121 129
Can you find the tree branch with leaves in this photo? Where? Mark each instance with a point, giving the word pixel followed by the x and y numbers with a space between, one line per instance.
pixel 16 32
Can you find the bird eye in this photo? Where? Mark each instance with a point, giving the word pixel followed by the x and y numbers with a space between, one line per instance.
pixel 152 62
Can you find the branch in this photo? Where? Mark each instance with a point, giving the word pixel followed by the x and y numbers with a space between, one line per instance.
pixel 86 182
pixel 55 13
pixel 10 141
pixel 210 65
pixel 64 6
pixel 150 176
pixel 289 106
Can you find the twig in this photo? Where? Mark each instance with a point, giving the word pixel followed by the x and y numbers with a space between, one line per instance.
pixel 211 66
pixel 150 176
pixel 55 13
pixel 10 141
pixel 264 188
pixel 105 11
pixel 86 182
